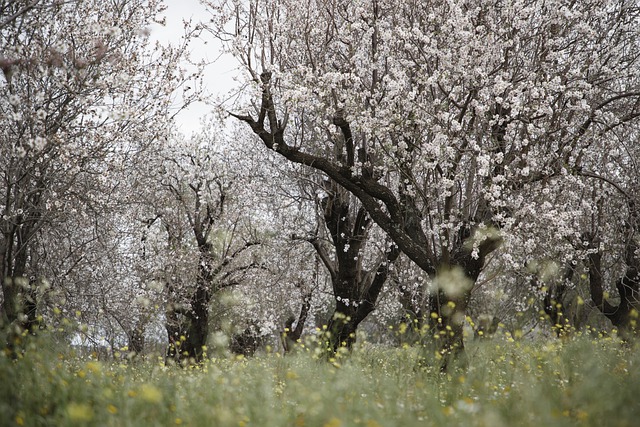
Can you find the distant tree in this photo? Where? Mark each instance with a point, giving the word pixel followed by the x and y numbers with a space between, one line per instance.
pixel 82 93
pixel 620 247
pixel 196 201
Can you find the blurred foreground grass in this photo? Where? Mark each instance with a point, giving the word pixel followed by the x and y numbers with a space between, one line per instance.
pixel 576 382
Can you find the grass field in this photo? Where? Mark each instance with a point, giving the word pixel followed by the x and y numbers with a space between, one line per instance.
pixel 573 382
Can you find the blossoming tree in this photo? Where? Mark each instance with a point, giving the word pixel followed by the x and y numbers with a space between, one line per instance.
pixel 82 93
pixel 442 112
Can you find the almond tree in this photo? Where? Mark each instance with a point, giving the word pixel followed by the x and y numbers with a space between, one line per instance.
pixel 611 237
pixel 201 238
pixel 344 253
pixel 442 111
pixel 82 92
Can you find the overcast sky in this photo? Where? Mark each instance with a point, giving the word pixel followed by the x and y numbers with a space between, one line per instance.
pixel 218 76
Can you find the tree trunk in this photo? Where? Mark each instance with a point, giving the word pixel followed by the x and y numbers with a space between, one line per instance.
pixel 188 334
pixel 342 328
pixel 349 313
pixel 136 338
pixel 447 316
pixel 198 325
pixel 19 306
pixel 623 315
pixel 455 282
pixel 290 336
pixel 554 301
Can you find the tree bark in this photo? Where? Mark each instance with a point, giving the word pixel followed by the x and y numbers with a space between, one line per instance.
pixel 290 336
pixel 628 287
pixel 399 217
pixel 188 336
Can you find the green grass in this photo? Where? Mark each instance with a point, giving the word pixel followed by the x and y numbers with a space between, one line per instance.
pixel 577 382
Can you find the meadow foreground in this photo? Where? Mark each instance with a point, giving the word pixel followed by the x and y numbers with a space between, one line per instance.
pixel 577 381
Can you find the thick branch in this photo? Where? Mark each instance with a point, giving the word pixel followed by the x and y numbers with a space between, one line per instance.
pixel 367 303
pixel 302 318
pixel 322 253
pixel 596 284
pixel 367 190
pixel 9 19
pixel 339 120
pixel 361 223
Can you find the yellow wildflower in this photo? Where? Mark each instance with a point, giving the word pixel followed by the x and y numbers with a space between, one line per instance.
pixel 333 422
pixel 79 412
pixel 150 393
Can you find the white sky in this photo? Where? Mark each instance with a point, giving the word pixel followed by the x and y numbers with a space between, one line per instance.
pixel 218 78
